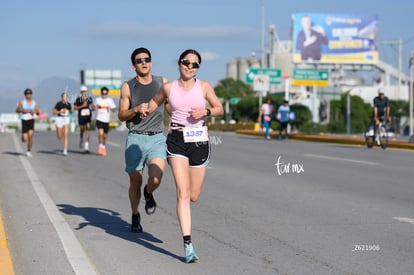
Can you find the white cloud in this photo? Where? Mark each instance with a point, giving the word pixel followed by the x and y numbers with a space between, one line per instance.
pixel 209 56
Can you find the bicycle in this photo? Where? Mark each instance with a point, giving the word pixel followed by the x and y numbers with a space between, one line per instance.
pixel 378 134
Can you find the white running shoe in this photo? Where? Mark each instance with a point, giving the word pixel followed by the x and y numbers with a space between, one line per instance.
pixel 28 154
pixel 86 147
pixel 65 152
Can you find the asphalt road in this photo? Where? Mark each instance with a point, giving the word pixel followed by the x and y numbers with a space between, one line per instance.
pixel 267 207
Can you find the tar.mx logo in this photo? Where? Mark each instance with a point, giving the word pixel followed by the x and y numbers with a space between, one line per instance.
pixel 288 167
pixel 214 140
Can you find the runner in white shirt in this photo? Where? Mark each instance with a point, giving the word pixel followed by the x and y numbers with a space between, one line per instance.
pixel 104 106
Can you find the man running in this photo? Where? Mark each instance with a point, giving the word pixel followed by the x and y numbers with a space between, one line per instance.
pixel 145 143
pixel 104 106
pixel 84 106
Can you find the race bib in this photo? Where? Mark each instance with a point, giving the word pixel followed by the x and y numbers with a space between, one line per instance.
pixel 195 134
pixel 85 112
pixel 102 111
pixel 27 116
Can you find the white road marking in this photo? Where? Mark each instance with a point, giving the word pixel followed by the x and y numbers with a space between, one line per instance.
pixel 76 255
pixel 404 219
pixel 342 159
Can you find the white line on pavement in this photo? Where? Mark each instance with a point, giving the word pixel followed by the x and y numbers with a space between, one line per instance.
pixel 74 251
pixel 404 219
pixel 342 159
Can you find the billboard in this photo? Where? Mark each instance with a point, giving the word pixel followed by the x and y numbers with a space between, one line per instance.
pixel 334 38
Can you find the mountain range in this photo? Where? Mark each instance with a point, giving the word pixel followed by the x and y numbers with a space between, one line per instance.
pixel 46 94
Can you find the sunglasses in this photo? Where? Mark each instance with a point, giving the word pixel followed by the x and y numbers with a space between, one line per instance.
pixel 104 94
pixel 140 60
pixel 29 93
pixel 186 62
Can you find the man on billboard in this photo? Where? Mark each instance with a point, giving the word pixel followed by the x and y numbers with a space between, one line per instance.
pixel 309 40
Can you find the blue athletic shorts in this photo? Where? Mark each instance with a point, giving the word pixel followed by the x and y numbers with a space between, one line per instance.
pixel 140 148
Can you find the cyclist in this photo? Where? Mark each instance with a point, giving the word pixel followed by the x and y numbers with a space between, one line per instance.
pixel 381 110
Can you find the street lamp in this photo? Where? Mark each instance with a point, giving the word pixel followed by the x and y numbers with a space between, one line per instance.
pixel 263 33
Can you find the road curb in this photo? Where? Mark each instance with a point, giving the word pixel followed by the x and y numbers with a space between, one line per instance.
pixel 6 264
pixel 328 138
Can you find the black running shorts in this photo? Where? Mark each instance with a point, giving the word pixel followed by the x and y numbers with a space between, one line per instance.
pixel 197 153
pixel 102 125
pixel 83 120
pixel 27 125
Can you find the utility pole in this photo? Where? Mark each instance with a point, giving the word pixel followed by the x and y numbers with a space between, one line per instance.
pixel 411 97
pixel 263 34
pixel 399 67
pixel 262 65
pixel 400 49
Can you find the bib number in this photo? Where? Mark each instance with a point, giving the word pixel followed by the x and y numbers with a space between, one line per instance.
pixel 27 116
pixel 102 111
pixel 195 134
pixel 85 112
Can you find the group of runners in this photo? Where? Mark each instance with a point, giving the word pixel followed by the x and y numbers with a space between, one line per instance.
pixel 143 101
pixel 28 108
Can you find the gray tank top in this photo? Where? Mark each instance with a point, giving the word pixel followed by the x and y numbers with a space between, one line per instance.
pixel 144 93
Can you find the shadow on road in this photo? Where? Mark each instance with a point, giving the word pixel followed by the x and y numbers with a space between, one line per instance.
pixel 111 222
pixel 60 151
pixel 14 154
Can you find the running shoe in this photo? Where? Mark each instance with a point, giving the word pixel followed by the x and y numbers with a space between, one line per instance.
pixel 190 255
pixel 136 223
pixel 28 154
pixel 102 150
pixel 150 204
pixel 81 143
pixel 65 152
pixel 86 147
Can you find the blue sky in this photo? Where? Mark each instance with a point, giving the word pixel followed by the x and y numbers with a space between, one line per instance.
pixel 45 38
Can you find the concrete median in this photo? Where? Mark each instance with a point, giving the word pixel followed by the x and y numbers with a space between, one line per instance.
pixel 331 138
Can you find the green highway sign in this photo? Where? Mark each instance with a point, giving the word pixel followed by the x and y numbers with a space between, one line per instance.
pixel 310 77
pixel 234 100
pixel 275 75
pixel 110 87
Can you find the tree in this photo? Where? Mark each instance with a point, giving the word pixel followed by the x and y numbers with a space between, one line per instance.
pixel 247 109
pixel 302 115
pixel 360 115
pixel 229 88
pixel 399 108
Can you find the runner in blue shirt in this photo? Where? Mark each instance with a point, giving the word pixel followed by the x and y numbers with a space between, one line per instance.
pixel 283 113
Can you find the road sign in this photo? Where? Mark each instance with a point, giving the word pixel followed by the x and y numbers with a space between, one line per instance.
pixel 234 100
pixel 261 83
pixel 310 77
pixel 114 90
pixel 275 75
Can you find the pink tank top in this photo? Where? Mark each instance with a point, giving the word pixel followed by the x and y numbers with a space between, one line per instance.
pixel 182 101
